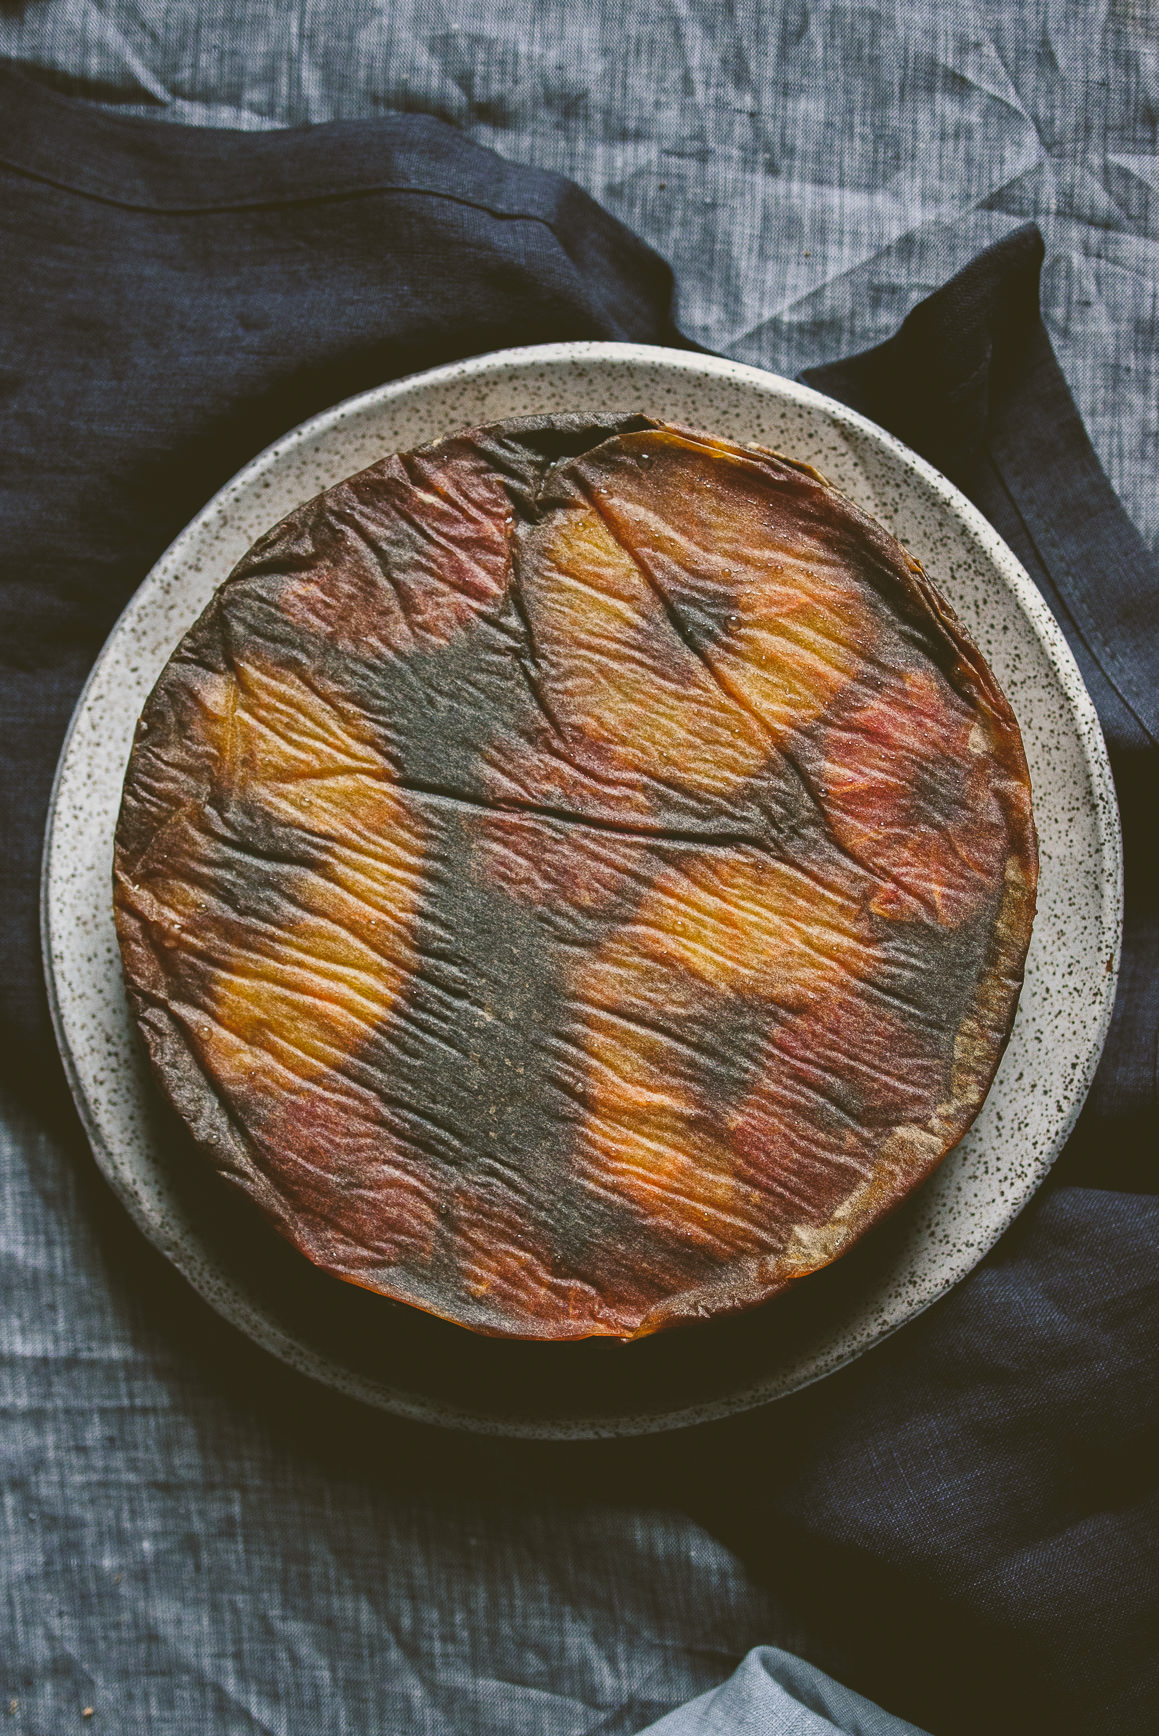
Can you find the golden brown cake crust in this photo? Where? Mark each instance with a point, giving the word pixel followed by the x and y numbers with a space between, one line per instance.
pixel 575 878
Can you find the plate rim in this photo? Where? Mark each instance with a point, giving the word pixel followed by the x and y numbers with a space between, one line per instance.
pixel 233 1304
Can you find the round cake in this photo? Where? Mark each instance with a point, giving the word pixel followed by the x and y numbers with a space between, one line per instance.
pixel 576 877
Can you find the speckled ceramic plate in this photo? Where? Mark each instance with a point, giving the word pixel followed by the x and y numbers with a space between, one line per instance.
pixel 410 1363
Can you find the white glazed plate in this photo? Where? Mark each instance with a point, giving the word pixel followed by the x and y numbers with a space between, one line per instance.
pixel 422 1368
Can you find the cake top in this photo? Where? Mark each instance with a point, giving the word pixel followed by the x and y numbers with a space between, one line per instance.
pixel 576 877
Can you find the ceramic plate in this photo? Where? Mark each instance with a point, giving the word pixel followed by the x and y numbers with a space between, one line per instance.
pixel 422 1368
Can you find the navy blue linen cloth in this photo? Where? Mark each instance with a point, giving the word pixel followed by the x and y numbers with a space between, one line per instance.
pixel 963 1525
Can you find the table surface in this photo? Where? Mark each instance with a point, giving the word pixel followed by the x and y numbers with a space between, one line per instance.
pixel 811 170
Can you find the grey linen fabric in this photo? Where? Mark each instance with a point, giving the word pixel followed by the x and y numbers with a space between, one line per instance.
pixel 195 1541
pixel 775 1694
pixel 192 1544
pixel 810 168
